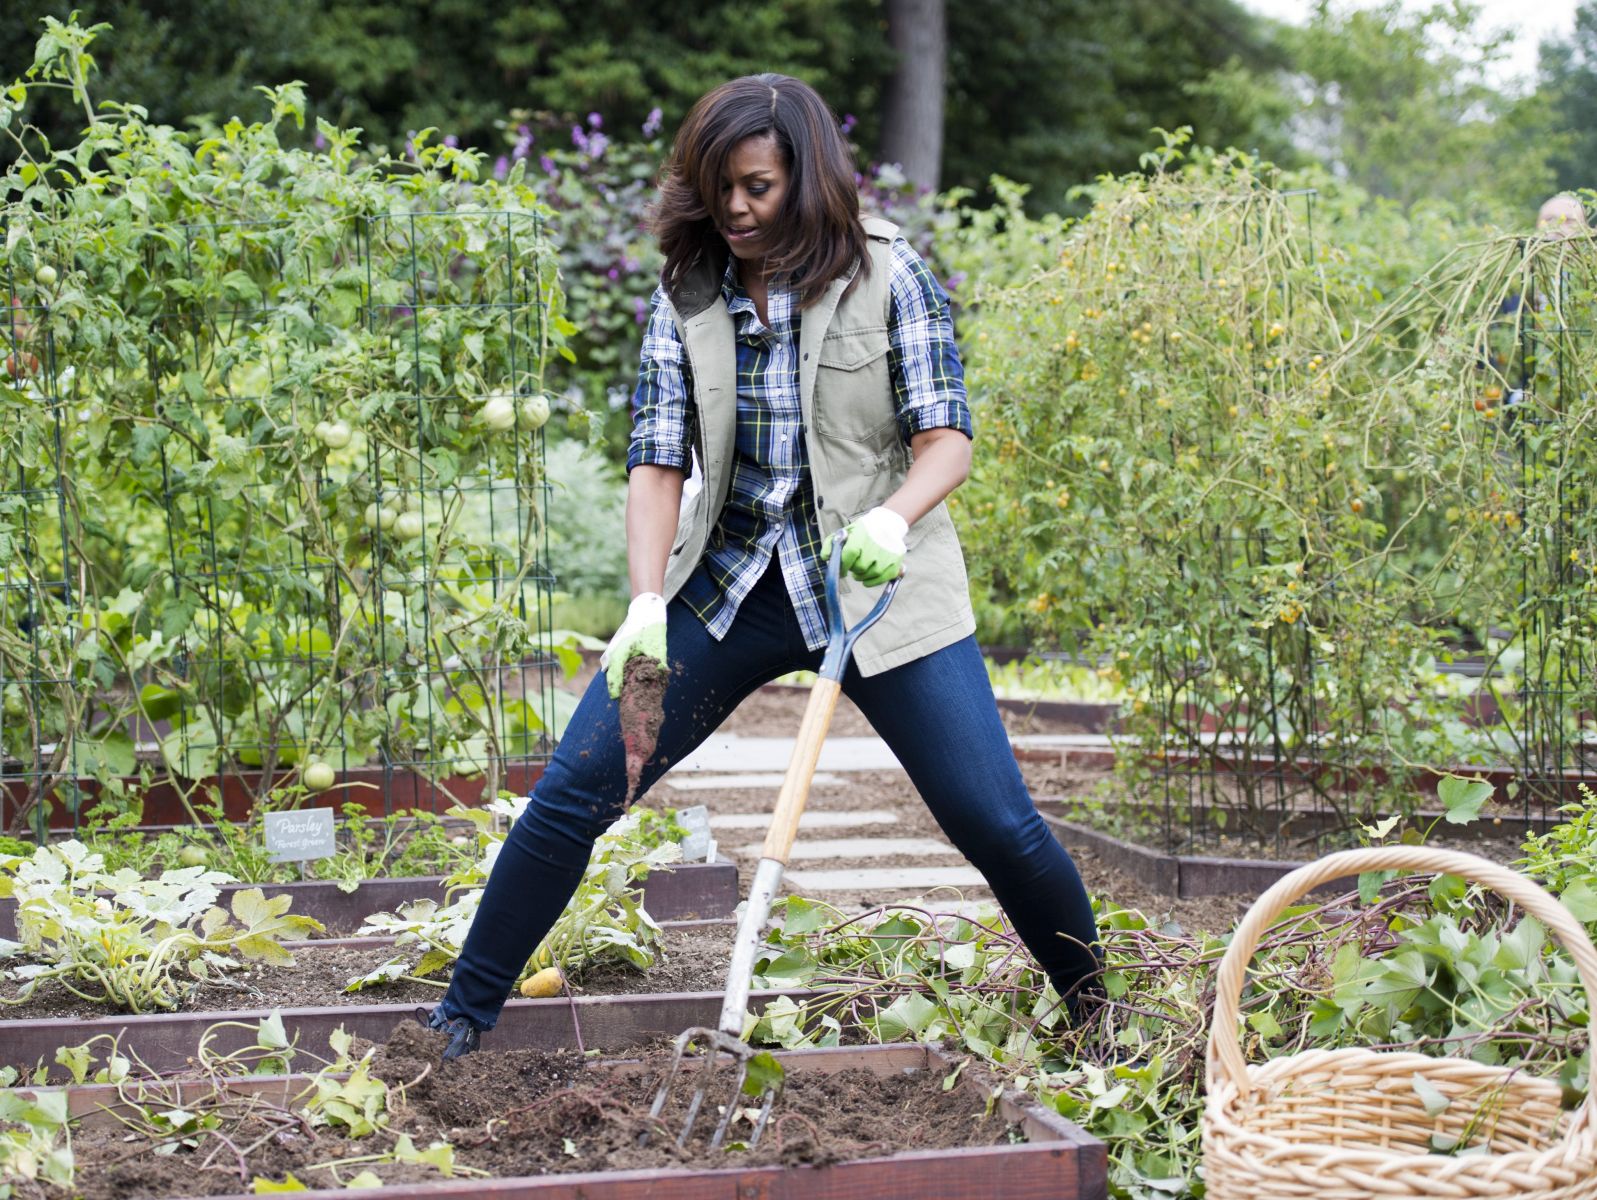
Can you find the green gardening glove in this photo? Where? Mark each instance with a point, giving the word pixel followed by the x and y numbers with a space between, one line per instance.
pixel 643 632
pixel 874 551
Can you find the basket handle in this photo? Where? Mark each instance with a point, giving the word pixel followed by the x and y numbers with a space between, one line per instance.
pixel 1225 1051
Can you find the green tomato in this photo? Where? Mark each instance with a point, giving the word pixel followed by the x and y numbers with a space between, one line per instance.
pixel 14 705
pixel 45 276
pixel 534 411
pixel 317 776
pixel 193 856
pixel 335 435
pixel 499 414
pixel 380 518
pixel 408 526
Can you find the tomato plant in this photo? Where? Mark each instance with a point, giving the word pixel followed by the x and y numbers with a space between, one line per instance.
pixel 259 522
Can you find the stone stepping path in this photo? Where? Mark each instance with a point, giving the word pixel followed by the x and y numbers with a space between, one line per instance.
pixel 850 848
pixel 733 753
pixel 704 782
pixel 873 879
pixel 812 820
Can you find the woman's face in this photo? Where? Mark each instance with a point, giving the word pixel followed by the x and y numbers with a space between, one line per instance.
pixel 751 195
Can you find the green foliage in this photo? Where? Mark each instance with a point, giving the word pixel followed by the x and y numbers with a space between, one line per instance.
pixel 1056 92
pixel 127 941
pixel 35 1141
pixel 1222 459
pixel 414 842
pixel 604 922
pixel 1569 83
pixel 1426 967
pixel 1564 858
pixel 245 349
pixel 1402 99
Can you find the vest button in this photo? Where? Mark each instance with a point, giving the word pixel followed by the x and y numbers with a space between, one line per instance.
pixel 820 502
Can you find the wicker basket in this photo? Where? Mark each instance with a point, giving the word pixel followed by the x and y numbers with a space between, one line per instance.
pixel 1348 1124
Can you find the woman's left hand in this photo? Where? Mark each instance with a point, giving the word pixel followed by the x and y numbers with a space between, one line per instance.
pixel 874 550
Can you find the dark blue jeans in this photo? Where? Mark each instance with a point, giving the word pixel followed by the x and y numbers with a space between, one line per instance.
pixel 936 713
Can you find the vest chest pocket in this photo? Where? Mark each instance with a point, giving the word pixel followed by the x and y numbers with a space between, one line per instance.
pixel 853 390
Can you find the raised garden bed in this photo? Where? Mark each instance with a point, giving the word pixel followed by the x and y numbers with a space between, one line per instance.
pixel 1552 787
pixel 379 790
pixel 872 1121
pixel 1188 876
pixel 691 957
pixel 688 891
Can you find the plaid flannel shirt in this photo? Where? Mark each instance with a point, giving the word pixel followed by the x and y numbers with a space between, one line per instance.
pixel 770 505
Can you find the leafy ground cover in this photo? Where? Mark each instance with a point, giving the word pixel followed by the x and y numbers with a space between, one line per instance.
pixel 140 943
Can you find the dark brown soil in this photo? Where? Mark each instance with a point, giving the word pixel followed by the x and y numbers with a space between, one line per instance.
pixel 642 713
pixel 533 1113
pixel 692 960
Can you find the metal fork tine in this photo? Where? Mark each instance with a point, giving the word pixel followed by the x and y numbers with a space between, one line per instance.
pixel 706 1077
pixel 765 1115
pixel 731 1106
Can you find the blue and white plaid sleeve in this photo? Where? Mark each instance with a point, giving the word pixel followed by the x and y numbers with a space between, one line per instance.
pixel 662 400
pixel 923 359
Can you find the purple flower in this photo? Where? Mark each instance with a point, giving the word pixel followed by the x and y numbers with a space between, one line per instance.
pixel 319 141
pixel 629 264
pixel 640 309
pixel 579 138
pixel 651 125
pixel 451 141
pixel 523 146
pixel 597 144
pixel 954 280
pixel 613 273
pixel 595 120
pixel 501 167
pixel 548 165
pixel 849 121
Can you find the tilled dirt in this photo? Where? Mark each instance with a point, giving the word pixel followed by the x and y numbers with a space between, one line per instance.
pixel 692 960
pixel 537 1113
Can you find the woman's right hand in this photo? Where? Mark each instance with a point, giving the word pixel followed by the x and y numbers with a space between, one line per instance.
pixel 643 632
pixel 654 499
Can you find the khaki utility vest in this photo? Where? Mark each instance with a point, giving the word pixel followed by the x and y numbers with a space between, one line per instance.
pixel 856 457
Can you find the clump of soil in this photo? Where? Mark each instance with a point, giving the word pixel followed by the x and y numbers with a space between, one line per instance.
pixel 534 1113
pixel 642 702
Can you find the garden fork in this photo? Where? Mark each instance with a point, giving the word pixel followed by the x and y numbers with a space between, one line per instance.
pixel 727 1037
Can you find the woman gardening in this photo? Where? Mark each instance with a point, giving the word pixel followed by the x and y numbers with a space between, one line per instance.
pixel 805 356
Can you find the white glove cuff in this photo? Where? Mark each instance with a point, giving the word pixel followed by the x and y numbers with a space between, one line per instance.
pixel 886 527
pixel 647 608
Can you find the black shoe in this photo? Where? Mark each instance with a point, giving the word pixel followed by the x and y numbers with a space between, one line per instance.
pixel 463 1035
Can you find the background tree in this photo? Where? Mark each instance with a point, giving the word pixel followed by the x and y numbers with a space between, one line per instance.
pixel 912 109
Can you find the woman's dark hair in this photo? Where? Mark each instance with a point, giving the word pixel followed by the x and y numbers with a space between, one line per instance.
pixel 818 235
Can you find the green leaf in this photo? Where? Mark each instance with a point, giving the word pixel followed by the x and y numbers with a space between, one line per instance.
pixel 1264 1025
pixel 764 1074
pixel 1430 1096
pixel 366 1179
pixel 1581 900
pixel 270 1187
pixel 805 916
pixel 1370 883
pixel 1462 799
